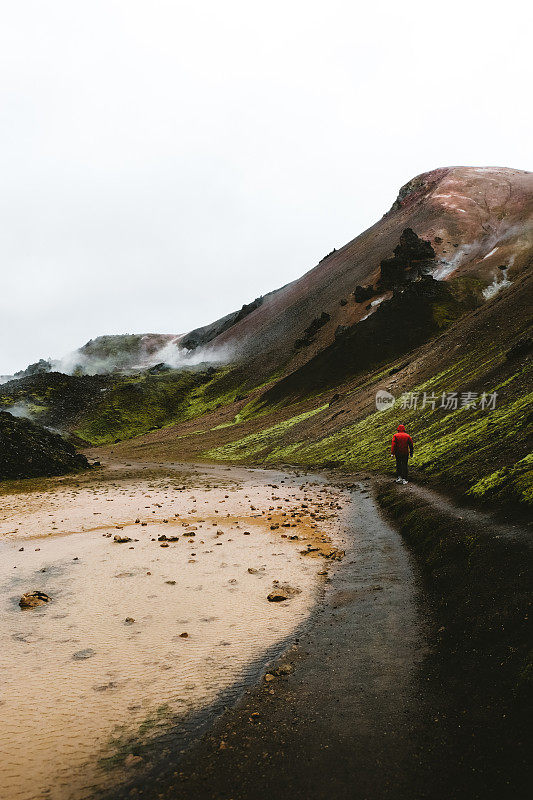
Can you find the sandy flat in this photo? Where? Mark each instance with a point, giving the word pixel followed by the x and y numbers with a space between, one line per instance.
pixel 141 634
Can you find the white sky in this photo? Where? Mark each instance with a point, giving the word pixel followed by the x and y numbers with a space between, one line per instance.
pixel 164 162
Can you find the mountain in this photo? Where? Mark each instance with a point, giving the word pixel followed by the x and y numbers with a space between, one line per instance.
pixel 478 221
pixel 432 304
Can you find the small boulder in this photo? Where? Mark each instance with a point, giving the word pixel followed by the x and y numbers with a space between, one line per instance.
pixel 81 655
pixel 121 539
pixel 281 593
pixel 283 669
pixel 132 760
pixel 34 599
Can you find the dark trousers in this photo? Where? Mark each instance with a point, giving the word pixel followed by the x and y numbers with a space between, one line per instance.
pixel 401 466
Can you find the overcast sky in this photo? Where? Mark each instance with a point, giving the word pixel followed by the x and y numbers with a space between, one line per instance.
pixel 163 162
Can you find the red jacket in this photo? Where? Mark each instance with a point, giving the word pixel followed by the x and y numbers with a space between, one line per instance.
pixel 402 444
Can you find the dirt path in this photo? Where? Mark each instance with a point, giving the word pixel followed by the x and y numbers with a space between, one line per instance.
pixel 499 527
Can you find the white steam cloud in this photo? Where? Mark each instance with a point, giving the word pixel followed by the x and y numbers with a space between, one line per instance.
pixel 20 410
pixel 170 355
pixel 483 248
pixel 493 288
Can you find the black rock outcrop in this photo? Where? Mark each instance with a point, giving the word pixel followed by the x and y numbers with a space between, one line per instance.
pixel 413 257
pixel 30 451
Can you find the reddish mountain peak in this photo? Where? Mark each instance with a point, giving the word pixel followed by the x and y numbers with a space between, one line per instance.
pixel 418 187
pixel 473 219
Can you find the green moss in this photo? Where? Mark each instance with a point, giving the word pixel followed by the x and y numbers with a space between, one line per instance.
pixel 135 405
pixel 132 406
pixel 512 483
pixel 254 444
pixel 465 295
pixel 454 446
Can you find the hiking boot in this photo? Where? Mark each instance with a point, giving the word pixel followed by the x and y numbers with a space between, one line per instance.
pixel 398 480
pixel 404 481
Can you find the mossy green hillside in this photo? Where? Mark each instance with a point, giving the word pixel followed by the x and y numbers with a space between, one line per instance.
pixel 461 447
pixel 514 482
pixel 132 406
pixel 256 445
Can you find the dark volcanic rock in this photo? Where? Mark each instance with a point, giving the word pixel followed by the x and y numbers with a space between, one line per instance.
pixel 281 593
pixel 40 367
pixel 396 327
pixel 60 397
pixel 311 330
pixel 413 257
pixel 28 450
pixel 521 348
pixel 363 293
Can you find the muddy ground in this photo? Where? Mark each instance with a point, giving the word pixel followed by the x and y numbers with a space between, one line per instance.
pixel 356 698
pixel 372 707
pixel 159 583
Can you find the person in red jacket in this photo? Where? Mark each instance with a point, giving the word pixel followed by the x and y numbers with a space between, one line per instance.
pixel 401 448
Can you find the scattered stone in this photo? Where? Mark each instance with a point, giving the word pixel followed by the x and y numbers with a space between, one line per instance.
pixel 105 686
pixel 34 599
pixel 171 583
pixel 283 669
pixel 129 621
pixel 81 655
pixel 184 635
pixel 281 593
pixel 121 539
pixel 132 760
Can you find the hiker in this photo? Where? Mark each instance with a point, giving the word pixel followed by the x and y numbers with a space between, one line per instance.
pixel 401 448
